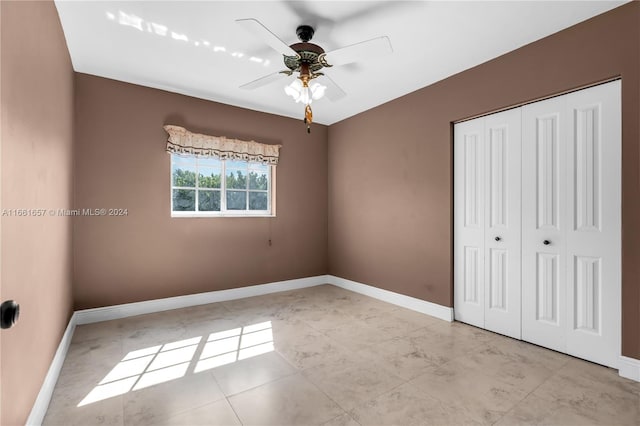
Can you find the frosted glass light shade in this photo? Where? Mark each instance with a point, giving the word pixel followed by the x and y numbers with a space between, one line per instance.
pixel 305 95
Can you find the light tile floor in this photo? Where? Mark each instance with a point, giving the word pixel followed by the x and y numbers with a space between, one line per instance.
pixel 327 356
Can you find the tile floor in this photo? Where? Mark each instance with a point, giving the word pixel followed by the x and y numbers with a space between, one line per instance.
pixel 326 356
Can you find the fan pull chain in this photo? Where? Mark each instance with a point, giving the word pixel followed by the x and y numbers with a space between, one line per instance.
pixel 308 117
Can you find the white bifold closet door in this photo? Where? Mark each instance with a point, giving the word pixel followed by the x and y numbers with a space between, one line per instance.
pixel 544 207
pixel 571 223
pixel 487 222
pixel 537 223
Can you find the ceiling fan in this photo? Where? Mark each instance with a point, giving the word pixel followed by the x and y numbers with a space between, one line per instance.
pixel 307 60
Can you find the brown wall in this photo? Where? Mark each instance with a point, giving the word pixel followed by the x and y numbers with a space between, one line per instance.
pixel 37 165
pixel 122 163
pixel 390 168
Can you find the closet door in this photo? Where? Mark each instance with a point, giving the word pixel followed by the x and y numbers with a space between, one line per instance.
pixel 571 223
pixel 487 222
pixel 544 200
pixel 502 218
pixel 594 219
pixel 469 221
pixel 537 223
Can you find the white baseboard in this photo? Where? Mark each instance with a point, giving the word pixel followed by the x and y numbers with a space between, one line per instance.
pixel 88 316
pixel 41 405
pixel 629 368
pixel 418 305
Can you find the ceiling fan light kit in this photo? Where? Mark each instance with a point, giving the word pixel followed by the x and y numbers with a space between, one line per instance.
pixel 307 59
pixel 305 93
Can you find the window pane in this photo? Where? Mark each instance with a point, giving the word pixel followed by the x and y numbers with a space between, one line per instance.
pixel 236 179
pixel 209 162
pixel 236 164
pixel 209 201
pixel 209 178
pixel 183 158
pixel 258 201
pixel 184 200
pixel 259 167
pixel 236 200
pixel 184 175
pixel 258 180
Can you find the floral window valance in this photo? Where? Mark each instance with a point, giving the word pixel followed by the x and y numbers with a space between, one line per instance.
pixel 182 141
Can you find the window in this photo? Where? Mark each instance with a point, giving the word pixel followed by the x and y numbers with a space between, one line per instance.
pixel 205 186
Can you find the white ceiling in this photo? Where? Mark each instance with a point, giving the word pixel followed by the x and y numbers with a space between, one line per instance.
pixel 195 47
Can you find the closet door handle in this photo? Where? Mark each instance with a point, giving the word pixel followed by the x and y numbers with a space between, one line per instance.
pixel 498 238
pixel 546 242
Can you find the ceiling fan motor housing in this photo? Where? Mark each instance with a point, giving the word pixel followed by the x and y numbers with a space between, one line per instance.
pixel 308 53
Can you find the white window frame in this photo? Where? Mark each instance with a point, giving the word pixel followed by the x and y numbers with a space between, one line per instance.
pixel 270 191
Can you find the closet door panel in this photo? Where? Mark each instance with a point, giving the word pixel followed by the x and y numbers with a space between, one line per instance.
pixel 544 312
pixel 503 217
pixel 594 217
pixel 469 222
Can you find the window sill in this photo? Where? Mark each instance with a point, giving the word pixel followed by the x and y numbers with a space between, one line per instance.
pixel 200 215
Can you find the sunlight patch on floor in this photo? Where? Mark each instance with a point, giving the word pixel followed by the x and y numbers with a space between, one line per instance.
pixel 162 363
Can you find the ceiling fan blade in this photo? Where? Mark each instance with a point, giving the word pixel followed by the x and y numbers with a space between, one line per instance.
pixel 334 92
pixel 254 26
pixel 263 81
pixel 345 55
